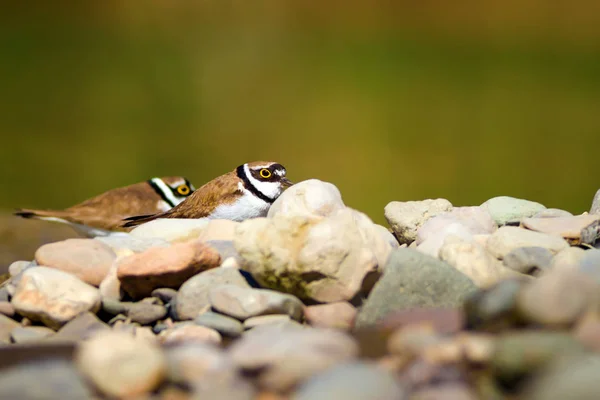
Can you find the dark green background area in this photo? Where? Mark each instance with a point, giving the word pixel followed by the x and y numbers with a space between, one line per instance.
pixel 98 97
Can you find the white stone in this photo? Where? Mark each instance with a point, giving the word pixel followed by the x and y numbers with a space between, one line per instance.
pixel 508 238
pixel 406 218
pixel 308 198
pixel 171 229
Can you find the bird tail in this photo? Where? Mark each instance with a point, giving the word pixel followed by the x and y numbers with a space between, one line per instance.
pixel 140 219
pixel 46 215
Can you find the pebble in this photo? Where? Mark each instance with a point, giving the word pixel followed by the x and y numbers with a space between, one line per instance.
pixel 6 327
pixel 17 267
pixel 218 230
pixel 352 381
pixel 4 295
pixel 125 244
pixel 476 220
pixel 308 198
pixel 552 213
pixel 567 259
pixel 171 229
pixel 508 238
pixel 223 324
pixel 505 209
pixel 580 229
pixel 324 260
pixel 80 328
pixel 556 299
pixel 166 295
pixel 189 334
pixel 529 260
pixel 243 303
pixel 265 320
pixel 589 263
pixel 441 320
pixel 87 259
pixel 193 294
pixel 281 356
pixel 110 287
pixel 406 218
pixel 7 309
pixel 30 334
pixel 199 363
pixel 229 255
pixel 160 267
pixel 43 379
pixel 470 258
pixel 145 313
pixel 53 297
pixel 595 208
pixel 433 244
pixel 445 391
pixel 387 236
pixel 339 315
pixel 412 279
pixel 120 365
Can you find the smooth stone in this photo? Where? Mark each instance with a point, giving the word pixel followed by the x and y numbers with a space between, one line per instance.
pixel 223 324
pixel 7 309
pixel 280 356
pixel 253 322
pixel 218 230
pixel 567 378
pixel 322 259
pixel 43 379
pixel 171 229
pixel 440 320
pixel 166 295
pixel 53 297
pixel 120 365
pixel 552 213
pixel 434 243
pixel 476 220
pixel 30 334
pixel 580 229
pixel 199 363
pixel 4 295
pixel 528 260
pixel 229 255
pixel 110 287
pixel 243 303
pixel 123 244
pixel 494 309
pixel 387 236
pixel 19 266
pixel 590 264
pixel 160 267
pixel 339 315
pixel 353 381
pixel 145 313
pixel 405 218
pixel 567 259
pixel 595 208
pixel 81 327
pixel 587 330
pixel 412 279
pixel 193 294
pixel 506 209
pixel 508 238
pixel 473 260
pixel 189 334
pixel 445 391
pixel 518 354
pixel 7 325
pixel 87 259
pixel 308 198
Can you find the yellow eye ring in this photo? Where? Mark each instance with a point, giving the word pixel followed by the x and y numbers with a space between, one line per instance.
pixel 183 190
pixel 265 173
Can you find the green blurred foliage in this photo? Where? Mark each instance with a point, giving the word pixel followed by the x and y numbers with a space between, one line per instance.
pixel 387 100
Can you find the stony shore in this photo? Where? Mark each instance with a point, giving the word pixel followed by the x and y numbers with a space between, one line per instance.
pixel 315 301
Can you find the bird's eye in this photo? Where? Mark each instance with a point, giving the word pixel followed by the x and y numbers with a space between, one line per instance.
pixel 265 173
pixel 183 190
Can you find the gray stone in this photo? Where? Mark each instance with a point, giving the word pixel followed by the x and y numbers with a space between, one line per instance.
pixel 266 320
pixel 552 213
pixel 166 295
pixel 589 263
pixel 43 380
pixel 223 324
pixel 568 259
pixel 145 313
pixel 494 309
pixel 80 328
pixel 243 303
pixel 506 209
pixel 17 267
pixel 508 238
pixel 280 357
pixel 27 334
pixel 7 309
pixel 6 327
pixel 407 217
pixel 193 294
pixel 354 381
pixel 528 260
pixel 412 279
pixel 195 364
pixel 580 229
pixel 53 297
pixel 595 208
pixel 4 296
pixel 189 333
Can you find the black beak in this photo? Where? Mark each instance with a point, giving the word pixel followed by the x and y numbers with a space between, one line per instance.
pixel 286 183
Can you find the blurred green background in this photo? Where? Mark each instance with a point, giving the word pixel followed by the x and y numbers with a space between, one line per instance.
pixel 388 100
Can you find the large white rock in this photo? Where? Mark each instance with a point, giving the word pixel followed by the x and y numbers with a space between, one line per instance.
pixel 324 259
pixel 53 297
pixel 306 198
pixel 406 217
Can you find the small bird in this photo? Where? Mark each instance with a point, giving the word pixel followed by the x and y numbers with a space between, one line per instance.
pixel 246 192
pixel 103 215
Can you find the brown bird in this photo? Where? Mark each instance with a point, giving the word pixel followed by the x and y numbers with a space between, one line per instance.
pixel 246 192
pixel 103 215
